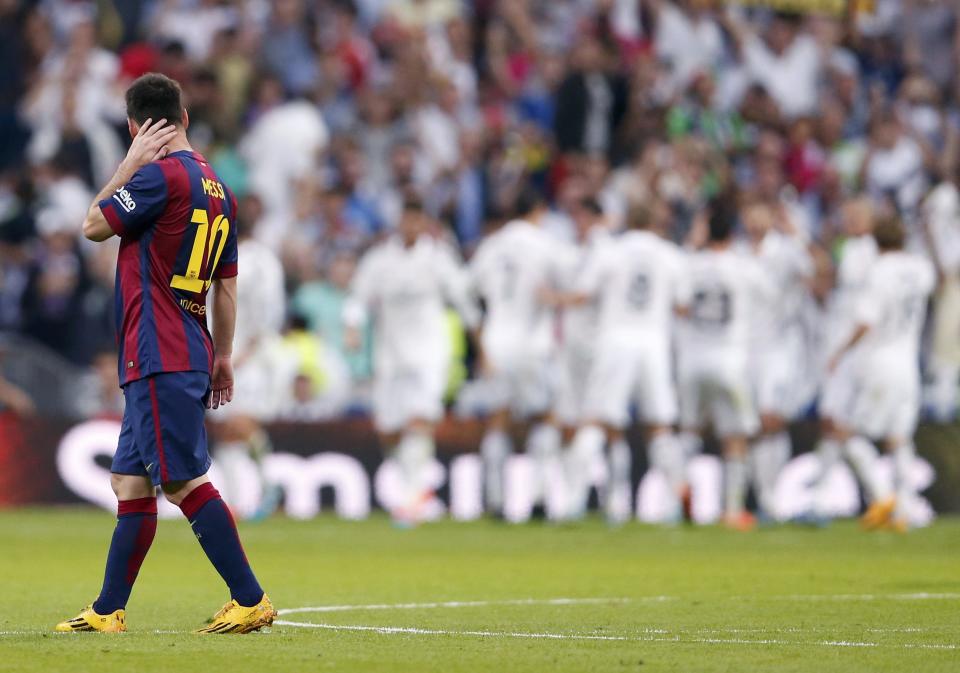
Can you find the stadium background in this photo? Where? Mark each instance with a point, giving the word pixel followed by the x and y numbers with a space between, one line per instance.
pixel 323 115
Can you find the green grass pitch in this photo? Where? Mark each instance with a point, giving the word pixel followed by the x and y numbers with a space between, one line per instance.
pixel 641 598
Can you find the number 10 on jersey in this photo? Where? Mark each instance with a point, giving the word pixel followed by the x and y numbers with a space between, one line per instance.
pixel 208 245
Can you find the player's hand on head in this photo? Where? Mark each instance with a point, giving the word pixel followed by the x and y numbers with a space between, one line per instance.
pixel 221 383
pixel 150 143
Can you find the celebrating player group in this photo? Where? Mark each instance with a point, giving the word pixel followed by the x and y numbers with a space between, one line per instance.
pixel 737 333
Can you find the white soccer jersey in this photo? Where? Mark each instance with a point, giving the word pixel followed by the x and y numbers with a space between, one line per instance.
pixel 405 289
pixel 261 372
pixel 714 378
pixel 725 289
pixel 638 279
pixel 788 266
pixel 893 304
pixel 509 269
pixel 857 257
pixel 578 333
pixel 261 298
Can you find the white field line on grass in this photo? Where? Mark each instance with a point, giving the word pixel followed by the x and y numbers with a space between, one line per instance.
pixel 655 637
pixel 920 596
pixel 468 604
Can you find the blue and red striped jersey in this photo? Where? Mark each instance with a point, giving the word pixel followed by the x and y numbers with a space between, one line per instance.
pixel 175 222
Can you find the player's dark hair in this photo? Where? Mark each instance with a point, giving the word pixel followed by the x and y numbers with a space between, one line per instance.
pixel 412 203
pixel 592 206
pixel 639 216
pixel 528 200
pixel 723 219
pixel 154 96
pixel 889 232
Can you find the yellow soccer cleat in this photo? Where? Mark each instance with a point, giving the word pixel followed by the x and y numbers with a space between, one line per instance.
pixel 878 514
pixel 234 618
pixel 88 620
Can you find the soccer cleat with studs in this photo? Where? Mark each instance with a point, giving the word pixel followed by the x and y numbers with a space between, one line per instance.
pixel 88 620
pixel 235 618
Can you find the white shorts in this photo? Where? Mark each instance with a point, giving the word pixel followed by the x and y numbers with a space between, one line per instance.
pixel 777 381
pixel 404 394
pixel 715 388
pixel 887 403
pixel 641 371
pixel 838 394
pixel 518 378
pixel 573 369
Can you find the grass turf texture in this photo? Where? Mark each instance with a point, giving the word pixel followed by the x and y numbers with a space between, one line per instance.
pixel 785 599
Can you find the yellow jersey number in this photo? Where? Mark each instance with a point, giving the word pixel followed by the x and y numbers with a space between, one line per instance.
pixel 208 245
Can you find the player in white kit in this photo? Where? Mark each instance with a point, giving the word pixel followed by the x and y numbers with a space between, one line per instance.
pixel 578 332
pixel 889 317
pixel 637 281
pixel 726 286
pixel 404 284
pixel 511 269
pixel 779 344
pixel 259 376
pixel 841 383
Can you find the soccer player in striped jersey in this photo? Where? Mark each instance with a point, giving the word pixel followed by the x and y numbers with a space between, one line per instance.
pixel 174 219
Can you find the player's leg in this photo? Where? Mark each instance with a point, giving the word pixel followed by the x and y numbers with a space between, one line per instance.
pixel 543 450
pixel 899 443
pixel 213 525
pixel 735 421
pixel 533 391
pixel 176 435
pixel 606 407
pixel 134 532
pixel 618 499
pixel 829 449
pixel 495 447
pixel 659 410
pixel 414 453
pixel 872 408
pixel 769 454
pixel 770 451
pixel 692 417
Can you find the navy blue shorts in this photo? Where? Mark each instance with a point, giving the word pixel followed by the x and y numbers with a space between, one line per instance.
pixel 163 436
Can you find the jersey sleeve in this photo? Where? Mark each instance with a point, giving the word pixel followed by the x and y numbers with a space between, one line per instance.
pixel 227 268
pixel 869 307
pixel 457 288
pixel 356 308
pixel 135 206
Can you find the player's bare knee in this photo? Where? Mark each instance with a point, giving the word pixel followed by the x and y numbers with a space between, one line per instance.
pixel 131 487
pixel 175 491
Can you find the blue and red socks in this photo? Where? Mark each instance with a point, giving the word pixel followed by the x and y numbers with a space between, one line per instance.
pixel 136 528
pixel 216 530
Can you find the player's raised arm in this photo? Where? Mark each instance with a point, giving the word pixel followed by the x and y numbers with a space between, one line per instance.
pixel 117 200
pixel 224 324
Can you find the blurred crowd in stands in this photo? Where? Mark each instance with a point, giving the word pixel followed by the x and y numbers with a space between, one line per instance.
pixel 324 116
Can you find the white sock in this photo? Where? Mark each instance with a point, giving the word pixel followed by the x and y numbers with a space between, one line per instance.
pixel 586 447
pixel 734 485
pixel 619 503
pixel 665 453
pixel 543 448
pixel 862 455
pixel 828 451
pixel 494 449
pixel 903 457
pixel 768 456
pixel 413 454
